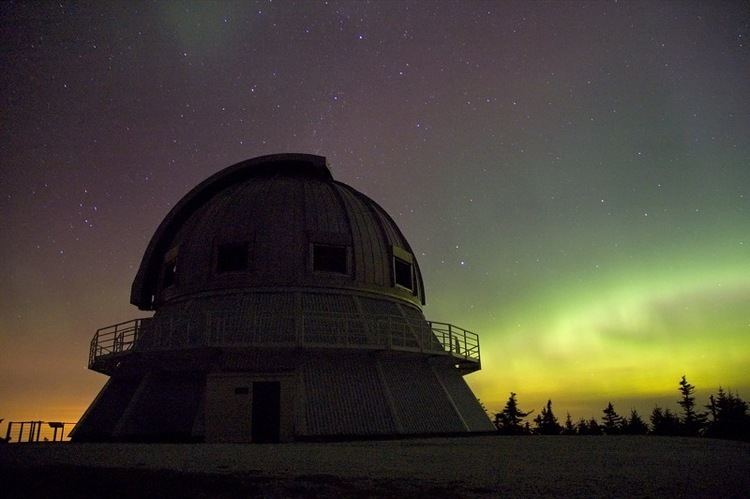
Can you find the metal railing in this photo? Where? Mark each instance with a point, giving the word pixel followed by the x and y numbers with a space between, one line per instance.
pixel 324 330
pixel 37 431
pixel 463 343
pixel 115 339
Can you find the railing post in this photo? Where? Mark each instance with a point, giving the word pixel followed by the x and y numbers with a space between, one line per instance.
pixel 92 349
pixel 450 339
pixel 8 431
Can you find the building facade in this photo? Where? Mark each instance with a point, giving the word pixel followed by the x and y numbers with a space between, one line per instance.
pixel 287 306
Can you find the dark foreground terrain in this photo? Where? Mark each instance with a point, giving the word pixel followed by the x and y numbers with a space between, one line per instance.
pixel 439 467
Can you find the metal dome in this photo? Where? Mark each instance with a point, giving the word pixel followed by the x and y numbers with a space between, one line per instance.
pixel 276 221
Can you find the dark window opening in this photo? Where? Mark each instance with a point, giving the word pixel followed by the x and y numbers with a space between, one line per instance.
pixel 402 273
pixel 329 258
pixel 232 257
pixel 170 273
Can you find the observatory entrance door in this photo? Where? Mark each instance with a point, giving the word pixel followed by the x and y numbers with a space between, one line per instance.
pixel 266 411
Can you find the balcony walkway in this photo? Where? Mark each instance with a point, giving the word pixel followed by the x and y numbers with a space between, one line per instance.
pixel 350 331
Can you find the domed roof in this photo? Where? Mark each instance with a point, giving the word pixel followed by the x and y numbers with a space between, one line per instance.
pixel 275 222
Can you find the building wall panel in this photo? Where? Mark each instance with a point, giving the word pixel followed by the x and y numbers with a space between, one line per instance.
pixel 467 404
pixel 420 401
pixel 229 405
pixel 344 396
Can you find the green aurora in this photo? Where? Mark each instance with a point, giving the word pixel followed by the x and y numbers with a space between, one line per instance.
pixel 623 330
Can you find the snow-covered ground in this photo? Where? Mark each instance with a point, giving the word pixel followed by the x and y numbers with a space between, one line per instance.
pixel 459 467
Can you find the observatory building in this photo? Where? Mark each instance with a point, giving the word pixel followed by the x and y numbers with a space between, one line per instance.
pixel 287 306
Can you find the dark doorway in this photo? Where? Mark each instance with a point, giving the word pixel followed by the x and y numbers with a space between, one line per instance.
pixel 266 411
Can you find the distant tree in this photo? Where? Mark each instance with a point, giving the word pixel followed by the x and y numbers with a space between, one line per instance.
pixel 593 427
pixel 582 427
pixel 508 422
pixel 546 422
pixel 693 422
pixel 569 428
pixel 634 425
pixel 713 405
pixel 611 421
pixel 729 416
pixel 664 422
pixel 588 427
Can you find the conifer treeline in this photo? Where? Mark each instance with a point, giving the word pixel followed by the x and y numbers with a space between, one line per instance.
pixel 726 416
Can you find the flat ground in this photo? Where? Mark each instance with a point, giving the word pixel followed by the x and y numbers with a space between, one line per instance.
pixel 436 467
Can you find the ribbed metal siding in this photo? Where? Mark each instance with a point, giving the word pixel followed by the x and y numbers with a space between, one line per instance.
pixel 328 303
pixel 324 319
pixel 464 399
pixel 100 419
pixel 253 318
pixel 370 250
pixel 235 223
pixel 371 306
pixel 323 212
pixel 420 401
pixel 280 243
pixel 195 241
pixel 344 396
pixel 166 403
pixel 393 235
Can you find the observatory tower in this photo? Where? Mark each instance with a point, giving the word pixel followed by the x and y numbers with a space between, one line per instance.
pixel 287 306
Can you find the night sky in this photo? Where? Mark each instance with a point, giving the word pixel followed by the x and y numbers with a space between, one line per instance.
pixel 573 177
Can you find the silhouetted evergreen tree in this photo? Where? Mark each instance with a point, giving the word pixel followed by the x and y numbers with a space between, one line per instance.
pixel 569 428
pixel 611 421
pixel 508 422
pixel 546 422
pixel 664 422
pixel 692 421
pixel 593 427
pixel 729 416
pixel 582 427
pixel 634 425
pixel 588 427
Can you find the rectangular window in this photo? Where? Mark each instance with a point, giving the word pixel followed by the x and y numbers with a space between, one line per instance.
pixel 170 273
pixel 403 273
pixel 169 270
pixel 327 258
pixel 231 257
